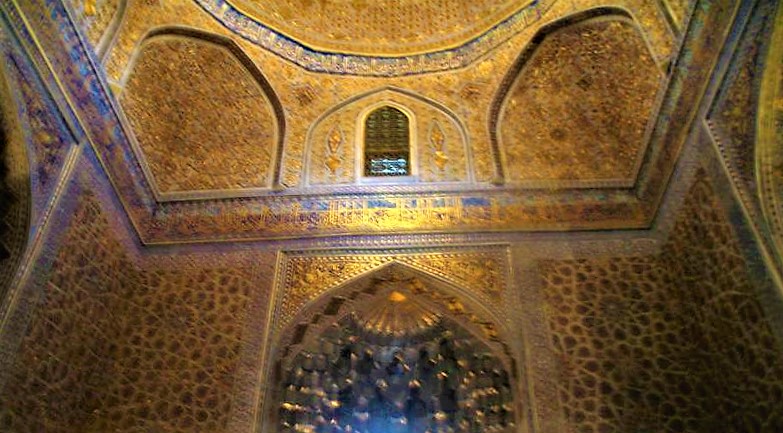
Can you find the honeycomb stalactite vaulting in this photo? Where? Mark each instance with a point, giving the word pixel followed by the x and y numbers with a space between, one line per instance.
pixel 580 104
pixel 673 343
pixel 203 120
pixel 397 351
pixel 373 375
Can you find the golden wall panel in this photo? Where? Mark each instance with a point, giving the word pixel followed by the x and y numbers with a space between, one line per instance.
pixel 581 105
pixel 203 121
pixel 97 16
pixel 307 276
pixel 114 346
pixel 678 10
pixel 468 91
pixel 673 342
pixel 381 27
pixel 59 379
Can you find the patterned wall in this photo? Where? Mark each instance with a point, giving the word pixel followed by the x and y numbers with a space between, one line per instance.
pixel 203 121
pixel 65 361
pixel 114 347
pixel 439 145
pixel 734 112
pixel 672 343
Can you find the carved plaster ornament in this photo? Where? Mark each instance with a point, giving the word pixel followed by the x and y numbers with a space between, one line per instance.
pixel 90 7
pixel 333 143
pixel 438 142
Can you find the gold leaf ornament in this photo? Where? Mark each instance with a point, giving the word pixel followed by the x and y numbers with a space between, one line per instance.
pixel 438 142
pixel 90 7
pixel 333 143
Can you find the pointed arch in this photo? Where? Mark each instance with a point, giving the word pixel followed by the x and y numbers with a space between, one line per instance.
pixel 387 142
pixel 326 164
pixel 229 131
pixel 366 301
pixel 15 188
pixel 769 137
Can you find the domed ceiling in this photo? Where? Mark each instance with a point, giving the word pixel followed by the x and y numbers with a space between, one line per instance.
pixel 246 118
pixel 380 27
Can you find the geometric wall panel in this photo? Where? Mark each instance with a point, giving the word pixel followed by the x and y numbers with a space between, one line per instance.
pixel 580 104
pixel 204 118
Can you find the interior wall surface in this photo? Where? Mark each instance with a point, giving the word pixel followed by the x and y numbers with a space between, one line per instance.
pixel 671 329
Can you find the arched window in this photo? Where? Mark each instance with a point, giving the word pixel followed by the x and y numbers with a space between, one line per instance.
pixel 387 143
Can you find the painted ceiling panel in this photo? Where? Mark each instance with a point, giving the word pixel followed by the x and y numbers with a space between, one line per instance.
pixel 581 104
pixel 202 120
pixel 380 27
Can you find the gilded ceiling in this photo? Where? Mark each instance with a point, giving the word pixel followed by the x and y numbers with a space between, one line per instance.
pixel 580 116
pixel 202 120
pixel 189 136
pixel 380 27
pixel 543 126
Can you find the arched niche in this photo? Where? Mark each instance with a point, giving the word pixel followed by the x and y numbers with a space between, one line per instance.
pixel 15 188
pixel 206 122
pixel 402 316
pixel 574 109
pixel 386 139
pixel 769 137
pixel 335 142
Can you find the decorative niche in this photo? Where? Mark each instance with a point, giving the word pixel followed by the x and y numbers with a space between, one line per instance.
pixel 388 136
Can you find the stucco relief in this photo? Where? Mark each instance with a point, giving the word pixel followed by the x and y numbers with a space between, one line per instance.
pixel 308 275
pixel 204 117
pixel 438 141
pixel 98 17
pixel 579 108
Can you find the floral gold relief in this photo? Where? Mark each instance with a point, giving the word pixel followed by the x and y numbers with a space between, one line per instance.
pixel 438 142
pixel 333 145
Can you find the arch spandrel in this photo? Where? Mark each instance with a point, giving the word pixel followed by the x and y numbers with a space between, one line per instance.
pixel 482 272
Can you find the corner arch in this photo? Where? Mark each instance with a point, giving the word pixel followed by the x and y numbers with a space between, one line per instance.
pixel 538 140
pixel 769 137
pixel 359 297
pixel 180 169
